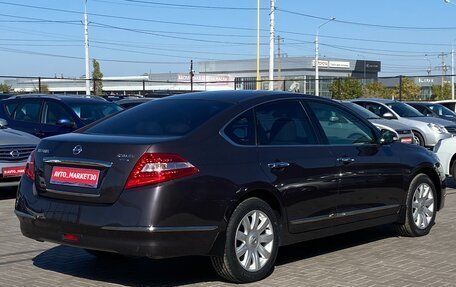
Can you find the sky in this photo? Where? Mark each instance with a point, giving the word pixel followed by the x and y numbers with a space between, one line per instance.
pixel 132 37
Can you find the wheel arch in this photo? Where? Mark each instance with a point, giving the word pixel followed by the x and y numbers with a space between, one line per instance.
pixel 263 192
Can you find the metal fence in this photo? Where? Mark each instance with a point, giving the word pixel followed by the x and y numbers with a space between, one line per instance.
pixel 429 87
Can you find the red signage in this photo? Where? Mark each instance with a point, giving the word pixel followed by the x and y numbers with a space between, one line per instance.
pixel 13 171
pixel 72 176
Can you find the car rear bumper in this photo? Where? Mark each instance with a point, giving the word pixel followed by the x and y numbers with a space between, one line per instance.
pixel 118 228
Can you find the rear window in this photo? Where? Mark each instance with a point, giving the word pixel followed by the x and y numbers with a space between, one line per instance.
pixel 92 111
pixel 160 118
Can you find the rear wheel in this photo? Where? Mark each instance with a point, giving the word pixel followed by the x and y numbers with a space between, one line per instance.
pixel 421 207
pixel 251 245
pixel 419 140
pixel 453 170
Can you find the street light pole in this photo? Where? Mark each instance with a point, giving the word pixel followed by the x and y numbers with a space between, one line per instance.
pixel 317 76
pixel 452 71
pixel 258 48
pixel 86 48
pixel 271 46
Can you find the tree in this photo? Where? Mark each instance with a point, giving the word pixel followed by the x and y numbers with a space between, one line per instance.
pixel 410 90
pixel 97 77
pixel 439 93
pixel 4 88
pixel 376 90
pixel 346 88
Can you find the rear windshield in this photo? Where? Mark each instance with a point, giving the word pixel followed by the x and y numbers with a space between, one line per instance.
pixel 92 111
pixel 160 118
pixel 405 110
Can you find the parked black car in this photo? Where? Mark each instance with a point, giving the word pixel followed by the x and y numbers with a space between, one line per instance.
pixel 231 175
pixel 47 115
pixel 434 110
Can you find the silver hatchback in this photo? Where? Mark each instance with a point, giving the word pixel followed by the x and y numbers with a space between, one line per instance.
pixel 15 148
pixel 427 130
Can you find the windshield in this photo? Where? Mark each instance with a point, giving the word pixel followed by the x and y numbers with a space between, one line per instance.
pixel 442 110
pixel 362 112
pixel 92 111
pixel 404 110
pixel 160 118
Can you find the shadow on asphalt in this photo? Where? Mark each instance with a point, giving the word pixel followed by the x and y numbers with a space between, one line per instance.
pixel 7 193
pixel 187 270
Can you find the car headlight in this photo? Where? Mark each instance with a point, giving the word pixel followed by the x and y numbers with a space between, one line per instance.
pixel 438 129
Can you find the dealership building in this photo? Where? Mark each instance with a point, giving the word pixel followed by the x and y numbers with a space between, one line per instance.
pixel 291 73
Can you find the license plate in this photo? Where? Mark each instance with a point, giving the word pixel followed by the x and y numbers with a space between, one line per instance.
pixel 407 140
pixel 13 171
pixel 81 177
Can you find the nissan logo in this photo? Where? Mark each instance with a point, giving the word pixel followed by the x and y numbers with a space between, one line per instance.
pixel 77 149
pixel 14 153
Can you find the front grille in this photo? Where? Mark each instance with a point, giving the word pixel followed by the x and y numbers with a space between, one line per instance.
pixel 404 132
pixel 451 129
pixel 15 153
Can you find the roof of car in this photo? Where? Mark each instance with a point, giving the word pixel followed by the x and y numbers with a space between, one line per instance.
pixel 383 101
pixel 236 96
pixel 65 98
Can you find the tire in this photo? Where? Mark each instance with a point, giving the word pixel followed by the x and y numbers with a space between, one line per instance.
pixel 420 208
pixel 453 170
pixel 419 140
pixel 253 263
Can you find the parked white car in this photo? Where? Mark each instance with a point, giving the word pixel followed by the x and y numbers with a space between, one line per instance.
pixel 15 147
pixel 446 151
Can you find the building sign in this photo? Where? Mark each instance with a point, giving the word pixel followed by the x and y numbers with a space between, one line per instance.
pixel 332 64
pixel 202 78
pixel 425 80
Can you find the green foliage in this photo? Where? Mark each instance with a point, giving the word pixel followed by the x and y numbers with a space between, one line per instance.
pixel 439 93
pixel 97 77
pixel 410 90
pixel 4 88
pixel 346 88
pixel 376 90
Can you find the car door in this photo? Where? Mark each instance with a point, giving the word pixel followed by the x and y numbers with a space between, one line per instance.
pixel 26 116
pixel 297 164
pixel 370 174
pixel 56 119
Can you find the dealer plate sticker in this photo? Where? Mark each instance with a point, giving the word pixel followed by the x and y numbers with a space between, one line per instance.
pixel 72 176
pixel 13 171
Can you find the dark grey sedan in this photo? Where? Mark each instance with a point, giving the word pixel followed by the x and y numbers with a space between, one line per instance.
pixel 230 175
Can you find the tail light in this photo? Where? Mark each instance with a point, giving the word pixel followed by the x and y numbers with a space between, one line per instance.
pixel 30 166
pixel 154 168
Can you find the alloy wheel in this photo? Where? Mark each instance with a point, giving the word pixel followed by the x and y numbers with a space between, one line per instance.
pixel 423 206
pixel 254 240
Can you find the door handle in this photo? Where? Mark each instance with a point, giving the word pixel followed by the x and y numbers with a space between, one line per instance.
pixel 345 160
pixel 278 165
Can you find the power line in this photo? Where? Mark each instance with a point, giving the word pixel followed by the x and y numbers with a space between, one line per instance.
pixel 367 24
pixel 173 5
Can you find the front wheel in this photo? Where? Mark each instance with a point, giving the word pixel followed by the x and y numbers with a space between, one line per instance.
pixel 418 138
pixel 251 245
pixel 421 207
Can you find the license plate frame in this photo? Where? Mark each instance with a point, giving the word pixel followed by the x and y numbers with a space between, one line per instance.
pixel 75 176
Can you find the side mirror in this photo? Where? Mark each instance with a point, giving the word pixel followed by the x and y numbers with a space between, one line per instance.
pixel 388 116
pixel 3 123
pixel 388 136
pixel 66 123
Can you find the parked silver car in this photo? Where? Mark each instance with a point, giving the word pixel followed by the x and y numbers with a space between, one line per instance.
pixel 403 132
pixel 15 147
pixel 427 130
